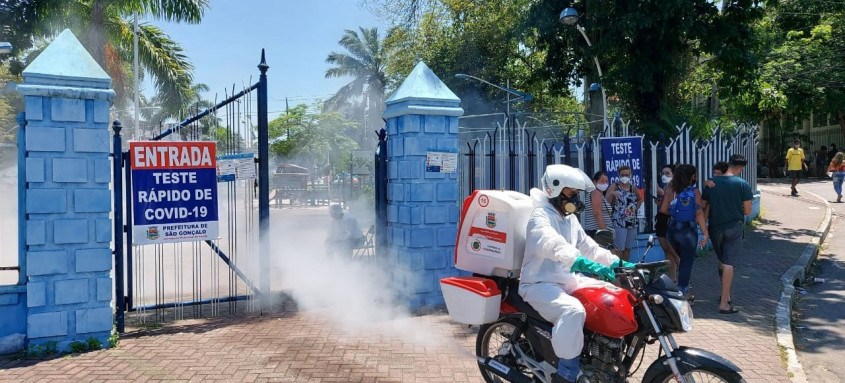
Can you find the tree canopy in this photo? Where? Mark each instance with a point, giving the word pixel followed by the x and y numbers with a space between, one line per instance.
pixel 313 138
pixel 105 29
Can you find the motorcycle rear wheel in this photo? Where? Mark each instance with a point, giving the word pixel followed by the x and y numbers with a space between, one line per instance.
pixel 494 341
pixel 702 374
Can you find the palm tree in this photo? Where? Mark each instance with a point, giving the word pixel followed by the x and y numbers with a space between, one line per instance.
pixel 107 30
pixel 365 61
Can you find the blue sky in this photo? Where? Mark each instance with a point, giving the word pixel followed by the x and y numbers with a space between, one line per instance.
pixel 296 35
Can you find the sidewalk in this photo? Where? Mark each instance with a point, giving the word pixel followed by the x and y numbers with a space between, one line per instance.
pixel 819 332
pixel 310 347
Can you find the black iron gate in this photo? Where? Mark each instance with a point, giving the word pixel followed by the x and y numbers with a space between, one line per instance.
pixel 163 280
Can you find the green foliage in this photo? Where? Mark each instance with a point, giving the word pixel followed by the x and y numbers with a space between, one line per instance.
pixel 93 344
pixel 314 139
pixel 18 23
pixel 105 29
pixel 647 50
pixel 799 47
pixel 365 60
pixel 480 39
pixel 114 338
pixel 77 347
pixel 10 104
pixel 43 350
pixel 90 344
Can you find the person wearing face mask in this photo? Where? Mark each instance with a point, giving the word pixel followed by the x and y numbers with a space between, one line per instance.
pixel 683 204
pixel 596 208
pixel 558 254
pixel 661 222
pixel 625 199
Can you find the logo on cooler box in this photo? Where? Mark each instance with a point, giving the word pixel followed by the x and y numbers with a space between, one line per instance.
pixel 476 244
pixel 491 219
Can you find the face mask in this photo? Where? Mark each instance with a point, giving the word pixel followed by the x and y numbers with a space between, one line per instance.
pixel 666 179
pixel 625 180
pixel 602 187
pixel 572 205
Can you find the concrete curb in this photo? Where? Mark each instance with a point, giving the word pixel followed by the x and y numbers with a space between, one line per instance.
pixel 791 278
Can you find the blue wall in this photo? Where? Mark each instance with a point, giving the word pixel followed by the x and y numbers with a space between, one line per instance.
pixel 422 211
pixel 66 251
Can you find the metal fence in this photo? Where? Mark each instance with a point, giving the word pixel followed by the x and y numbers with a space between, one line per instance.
pixel 498 152
pixel 201 278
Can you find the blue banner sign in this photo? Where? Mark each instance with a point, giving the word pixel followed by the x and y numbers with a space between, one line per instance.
pixel 623 151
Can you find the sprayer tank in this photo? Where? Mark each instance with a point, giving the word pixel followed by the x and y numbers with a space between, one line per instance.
pixel 491 236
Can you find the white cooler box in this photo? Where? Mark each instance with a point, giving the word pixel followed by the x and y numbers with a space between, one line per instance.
pixel 491 235
pixel 471 300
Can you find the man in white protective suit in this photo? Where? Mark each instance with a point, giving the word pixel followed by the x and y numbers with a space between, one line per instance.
pixel 557 251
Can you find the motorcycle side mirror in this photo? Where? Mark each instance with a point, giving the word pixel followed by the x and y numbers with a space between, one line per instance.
pixel 650 240
pixel 604 238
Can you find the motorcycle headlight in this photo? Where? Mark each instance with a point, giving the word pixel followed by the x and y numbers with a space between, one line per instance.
pixel 684 312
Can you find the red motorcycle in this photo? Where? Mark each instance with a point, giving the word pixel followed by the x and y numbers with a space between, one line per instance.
pixel 647 308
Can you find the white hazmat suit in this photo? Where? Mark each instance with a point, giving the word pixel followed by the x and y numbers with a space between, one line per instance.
pixel 552 244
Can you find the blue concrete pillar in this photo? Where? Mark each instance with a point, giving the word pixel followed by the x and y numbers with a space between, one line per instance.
pixel 67 229
pixel 422 209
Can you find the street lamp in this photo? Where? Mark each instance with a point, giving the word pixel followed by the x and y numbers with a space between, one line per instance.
pixel 569 16
pixel 5 48
pixel 521 96
pixel 516 140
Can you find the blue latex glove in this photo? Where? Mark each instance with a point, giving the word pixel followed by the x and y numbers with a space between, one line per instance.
pixel 584 265
pixel 621 263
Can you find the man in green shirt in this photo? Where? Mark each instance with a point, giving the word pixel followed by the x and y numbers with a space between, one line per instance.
pixel 727 204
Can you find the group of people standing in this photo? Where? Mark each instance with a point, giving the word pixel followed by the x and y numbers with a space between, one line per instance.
pixel 718 211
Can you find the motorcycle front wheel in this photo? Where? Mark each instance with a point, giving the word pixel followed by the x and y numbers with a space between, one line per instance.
pixel 496 340
pixel 701 374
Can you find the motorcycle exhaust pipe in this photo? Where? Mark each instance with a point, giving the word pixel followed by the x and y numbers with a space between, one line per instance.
pixel 505 372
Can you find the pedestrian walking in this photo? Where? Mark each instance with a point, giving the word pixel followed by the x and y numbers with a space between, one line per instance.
pixel 795 164
pixel 837 173
pixel 661 222
pixel 597 209
pixel 821 160
pixel 683 205
pixel 808 162
pixel 726 205
pixel 626 200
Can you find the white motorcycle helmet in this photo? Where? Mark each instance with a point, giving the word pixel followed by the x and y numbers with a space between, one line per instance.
pixel 558 177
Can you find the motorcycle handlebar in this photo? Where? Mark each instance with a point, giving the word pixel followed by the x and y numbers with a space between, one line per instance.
pixel 651 267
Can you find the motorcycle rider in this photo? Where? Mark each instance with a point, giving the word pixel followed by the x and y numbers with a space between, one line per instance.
pixel 556 250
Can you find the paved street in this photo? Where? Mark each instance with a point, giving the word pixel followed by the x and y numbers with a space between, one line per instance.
pixel 344 334
pixel 820 329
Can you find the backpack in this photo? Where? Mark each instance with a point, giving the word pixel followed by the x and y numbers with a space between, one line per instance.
pixel 683 208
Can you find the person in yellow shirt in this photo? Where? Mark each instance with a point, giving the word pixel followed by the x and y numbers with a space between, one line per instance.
pixel 795 163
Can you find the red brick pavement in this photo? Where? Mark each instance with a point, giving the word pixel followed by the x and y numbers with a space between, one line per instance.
pixel 306 347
